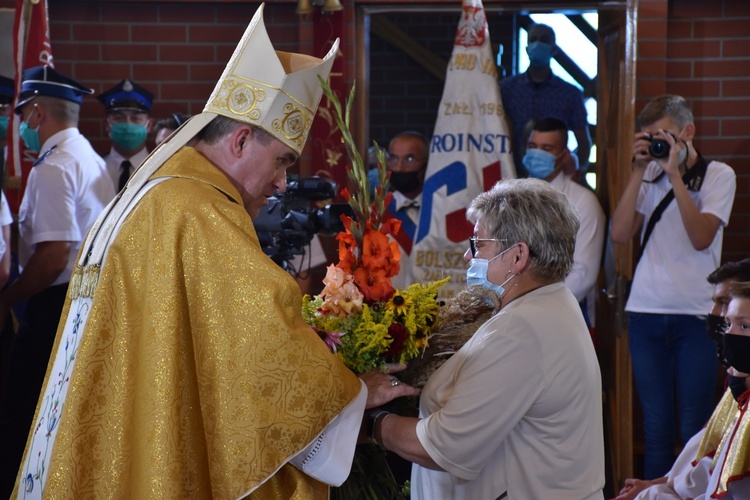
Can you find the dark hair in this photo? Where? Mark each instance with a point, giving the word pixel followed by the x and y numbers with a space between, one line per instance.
pixel 740 290
pixel 551 125
pixel 172 122
pixel 737 271
pixel 222 126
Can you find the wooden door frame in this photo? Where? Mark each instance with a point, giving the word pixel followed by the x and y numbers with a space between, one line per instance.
pixel 619 401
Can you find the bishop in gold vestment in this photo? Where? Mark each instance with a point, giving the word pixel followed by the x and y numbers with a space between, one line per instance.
pixel 196 376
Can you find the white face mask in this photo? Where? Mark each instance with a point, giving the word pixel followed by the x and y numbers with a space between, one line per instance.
pixel 477 273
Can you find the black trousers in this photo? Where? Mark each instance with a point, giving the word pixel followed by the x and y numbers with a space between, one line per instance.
pixel 29 354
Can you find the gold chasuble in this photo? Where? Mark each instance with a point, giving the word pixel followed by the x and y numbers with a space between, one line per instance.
pixel 196 376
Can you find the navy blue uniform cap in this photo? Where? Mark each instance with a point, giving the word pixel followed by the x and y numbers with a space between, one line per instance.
pixel 46 81
pixel 127 95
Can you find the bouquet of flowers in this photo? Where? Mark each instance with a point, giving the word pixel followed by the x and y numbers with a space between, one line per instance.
pixel 359 314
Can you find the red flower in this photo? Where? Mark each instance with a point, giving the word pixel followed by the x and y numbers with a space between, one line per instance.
pixel 397 332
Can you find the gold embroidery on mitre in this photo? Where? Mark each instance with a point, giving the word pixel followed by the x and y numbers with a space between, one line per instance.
pixel 294 125
pixel 240 99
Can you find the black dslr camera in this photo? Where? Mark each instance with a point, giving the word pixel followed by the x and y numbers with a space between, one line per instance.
pixel 289 222
pixel 659 148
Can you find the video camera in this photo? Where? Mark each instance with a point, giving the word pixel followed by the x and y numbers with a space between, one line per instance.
pixel 288 223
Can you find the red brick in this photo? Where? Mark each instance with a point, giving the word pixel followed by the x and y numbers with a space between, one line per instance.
pixel 93 32
pixel 159 72
pixel 62 32
pixel 738 127
pixel 736 48
pixel 651 29
pixel 144 12
pixel 741 203
pixel 652 10
pixel 650 87
pixel 722 108
pixel 694 49
pixel 695 9
pixel 735 88
pixel 101 71
pixel 725 147
pixel 76 51
pixel 187 53
pixel 738 223
pixel 707 128
pixel 679 29
pixel 656 68
pixel 282 14
pixel 679 69
pixel 721 29
pixel 694 88
pixel 206 72
pixel 721 68
pixel 193 13
pixel 652 48
pixel 128 52
pixel 215 33
pixel 159 33
pixel 197 91
pixel 62 11
pixel 243 13
pixel 736 9
pixel 163 109
pixel 224 52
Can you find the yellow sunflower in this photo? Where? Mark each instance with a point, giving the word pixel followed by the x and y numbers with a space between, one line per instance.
pixel 399 303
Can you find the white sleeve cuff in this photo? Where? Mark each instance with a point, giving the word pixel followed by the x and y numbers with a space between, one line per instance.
pixel 329 457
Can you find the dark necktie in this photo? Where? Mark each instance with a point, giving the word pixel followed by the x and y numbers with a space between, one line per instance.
pixel 124 175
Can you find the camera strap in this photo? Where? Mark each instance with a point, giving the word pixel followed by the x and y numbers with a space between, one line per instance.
pixel 693 179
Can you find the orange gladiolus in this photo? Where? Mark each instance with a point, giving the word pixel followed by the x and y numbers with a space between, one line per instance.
pixel 374 284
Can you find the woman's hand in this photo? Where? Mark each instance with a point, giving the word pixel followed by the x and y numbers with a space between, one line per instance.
pixel 383 387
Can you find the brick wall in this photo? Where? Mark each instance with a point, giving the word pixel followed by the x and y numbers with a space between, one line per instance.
pixel 177 49
pixel 701 50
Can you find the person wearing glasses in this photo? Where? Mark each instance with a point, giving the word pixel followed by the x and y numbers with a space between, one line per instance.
pixel 676 205
pixel 127 106
pixel 517 411
pixel 407 162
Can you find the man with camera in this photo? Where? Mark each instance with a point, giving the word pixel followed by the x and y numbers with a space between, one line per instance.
pixel 678 202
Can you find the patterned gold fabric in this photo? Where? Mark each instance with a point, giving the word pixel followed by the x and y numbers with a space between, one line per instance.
pixel 721 419
pixel 196 376
pixel 736 464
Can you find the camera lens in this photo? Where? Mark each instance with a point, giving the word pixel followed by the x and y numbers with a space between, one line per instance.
pixel 659 148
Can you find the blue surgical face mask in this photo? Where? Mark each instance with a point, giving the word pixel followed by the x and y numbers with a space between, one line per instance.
pixel 477 273
pixel 539 53
pixel 30 136
pixel 128 136
pixel 4 126
pixel 539 163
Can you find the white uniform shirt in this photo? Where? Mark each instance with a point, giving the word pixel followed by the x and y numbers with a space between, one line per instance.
pixel 115 159
pixel 6 218
pixel 587 256
pixel 517 409
pixel 671 275
pixel 64 194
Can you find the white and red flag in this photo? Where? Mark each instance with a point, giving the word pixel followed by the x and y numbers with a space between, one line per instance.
pixel 470 151
pixel 31 47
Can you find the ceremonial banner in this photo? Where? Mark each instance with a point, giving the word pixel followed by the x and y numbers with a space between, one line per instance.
pixel 31 47
pixel 470 151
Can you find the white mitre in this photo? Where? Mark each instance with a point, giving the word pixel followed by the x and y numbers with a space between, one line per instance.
pixel 276 91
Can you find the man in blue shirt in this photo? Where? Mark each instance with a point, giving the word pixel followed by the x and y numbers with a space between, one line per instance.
pixel 538 93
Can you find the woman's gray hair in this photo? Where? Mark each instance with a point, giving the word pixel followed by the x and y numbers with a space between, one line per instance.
pixel 533 212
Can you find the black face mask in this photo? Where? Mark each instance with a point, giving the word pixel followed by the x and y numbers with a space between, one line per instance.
pixel 715 326
pixel 737 352
pixel 405 182
pixel 736 385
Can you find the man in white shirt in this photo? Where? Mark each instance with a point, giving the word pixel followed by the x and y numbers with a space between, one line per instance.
pixel 546 155
pixel 66 190
pixel 128 123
